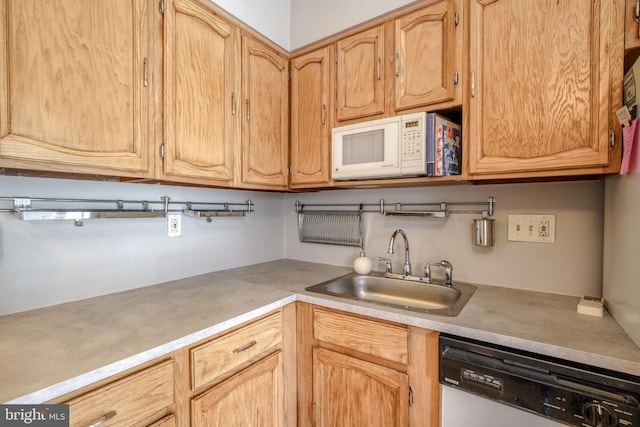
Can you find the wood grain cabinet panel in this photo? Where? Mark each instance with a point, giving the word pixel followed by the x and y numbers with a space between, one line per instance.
pixel 428 57
pixel 139 397
pixel 311 114
pixel 631 26
pixel 360 75
pixel 226 354
pixel 381 340
pixel 74 94
pixel 253 397
pixel 265 139
pixel 540 89
pixel 349 392
pixel 202 83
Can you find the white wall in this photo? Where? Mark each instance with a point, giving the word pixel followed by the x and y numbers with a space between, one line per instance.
pixel 270 18
pixel 571 266
pixel 312 20
pixel 621 249
pixel 49 262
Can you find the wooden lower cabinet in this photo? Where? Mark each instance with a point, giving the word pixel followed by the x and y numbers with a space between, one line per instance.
pixel 349 374
pixel 252 397
pixel 349 392
pixel 140 399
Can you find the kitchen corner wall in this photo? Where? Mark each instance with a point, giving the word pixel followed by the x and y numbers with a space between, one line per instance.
pixel 50 262
pixel 571 266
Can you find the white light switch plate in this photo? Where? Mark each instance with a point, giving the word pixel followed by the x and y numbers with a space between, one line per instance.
pixel 532 228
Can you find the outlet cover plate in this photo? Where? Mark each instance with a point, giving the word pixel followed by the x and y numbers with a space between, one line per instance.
pixel 174 225
pixel 532 228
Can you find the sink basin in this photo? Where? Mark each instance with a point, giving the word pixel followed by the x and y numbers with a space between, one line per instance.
pixel 405 294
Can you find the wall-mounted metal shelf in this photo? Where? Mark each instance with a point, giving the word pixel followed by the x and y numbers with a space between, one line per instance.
pixel 79 210
pixel 341 223
pixel 435 210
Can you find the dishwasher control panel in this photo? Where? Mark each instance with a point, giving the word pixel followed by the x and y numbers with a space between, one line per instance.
pixel 563 392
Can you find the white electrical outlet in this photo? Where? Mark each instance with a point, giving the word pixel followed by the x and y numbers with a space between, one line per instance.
pixel 174 225
pixel 532 228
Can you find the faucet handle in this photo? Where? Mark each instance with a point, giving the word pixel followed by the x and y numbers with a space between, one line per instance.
pixel 387 267
pixel 448 269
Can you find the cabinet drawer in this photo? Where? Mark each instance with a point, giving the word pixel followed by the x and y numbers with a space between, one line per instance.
pixel 229 352
pixel 390 342
pixel 169 421
pixel 135 398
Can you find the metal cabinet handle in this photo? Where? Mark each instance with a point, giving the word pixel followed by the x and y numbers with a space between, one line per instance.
pixel 248 117
pixel 397 64
pixel 324 109
pixel 233 103
pixel 378 67
pixel 636 11
pixel 145 78
pixel 245 347
pixel 104 419
pixel 473 83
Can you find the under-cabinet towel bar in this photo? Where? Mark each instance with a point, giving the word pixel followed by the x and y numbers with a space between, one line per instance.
pixel 118 208
pixel 429 209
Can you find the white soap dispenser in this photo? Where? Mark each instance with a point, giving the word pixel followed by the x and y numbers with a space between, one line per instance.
pixel 362 264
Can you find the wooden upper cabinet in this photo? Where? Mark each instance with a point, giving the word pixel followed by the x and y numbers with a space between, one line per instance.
pixel 73 91
pixel 360 75
pixel 631 23
pixel 310 118
pixel 202 83
pixel 540 89
pixel 428 56
pixel 265 141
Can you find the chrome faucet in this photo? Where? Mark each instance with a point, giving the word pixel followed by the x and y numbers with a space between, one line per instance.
pixel 406 269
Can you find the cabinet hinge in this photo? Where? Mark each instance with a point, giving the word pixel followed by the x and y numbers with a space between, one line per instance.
pixel 161 7
pixel 612 139
pixel 457 18
pixel 410 396
pixel 162 151
pixel 314 408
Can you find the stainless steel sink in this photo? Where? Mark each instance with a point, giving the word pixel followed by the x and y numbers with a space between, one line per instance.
pixel 405 294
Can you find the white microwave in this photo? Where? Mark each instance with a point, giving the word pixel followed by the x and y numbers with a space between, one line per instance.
pixel 384 148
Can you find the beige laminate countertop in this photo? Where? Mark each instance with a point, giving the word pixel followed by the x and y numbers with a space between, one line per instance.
pixel 49 352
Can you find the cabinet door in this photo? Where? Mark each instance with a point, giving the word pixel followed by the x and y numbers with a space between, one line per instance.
pixel 349 392
pixel 252 397
pixel 310 113
pixel 73 92
pixel 360 75
pixel 201 86
pixel 427 56
pixel 539 87
pixel 632 29
pixel 265 144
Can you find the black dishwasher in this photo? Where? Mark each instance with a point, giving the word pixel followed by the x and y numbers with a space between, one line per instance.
pixel 567 392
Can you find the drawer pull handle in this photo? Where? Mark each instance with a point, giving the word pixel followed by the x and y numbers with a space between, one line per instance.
pixel 245 347
pixel 104 419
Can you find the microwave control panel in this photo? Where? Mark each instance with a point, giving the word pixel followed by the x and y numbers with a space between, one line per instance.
pixel 412 138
